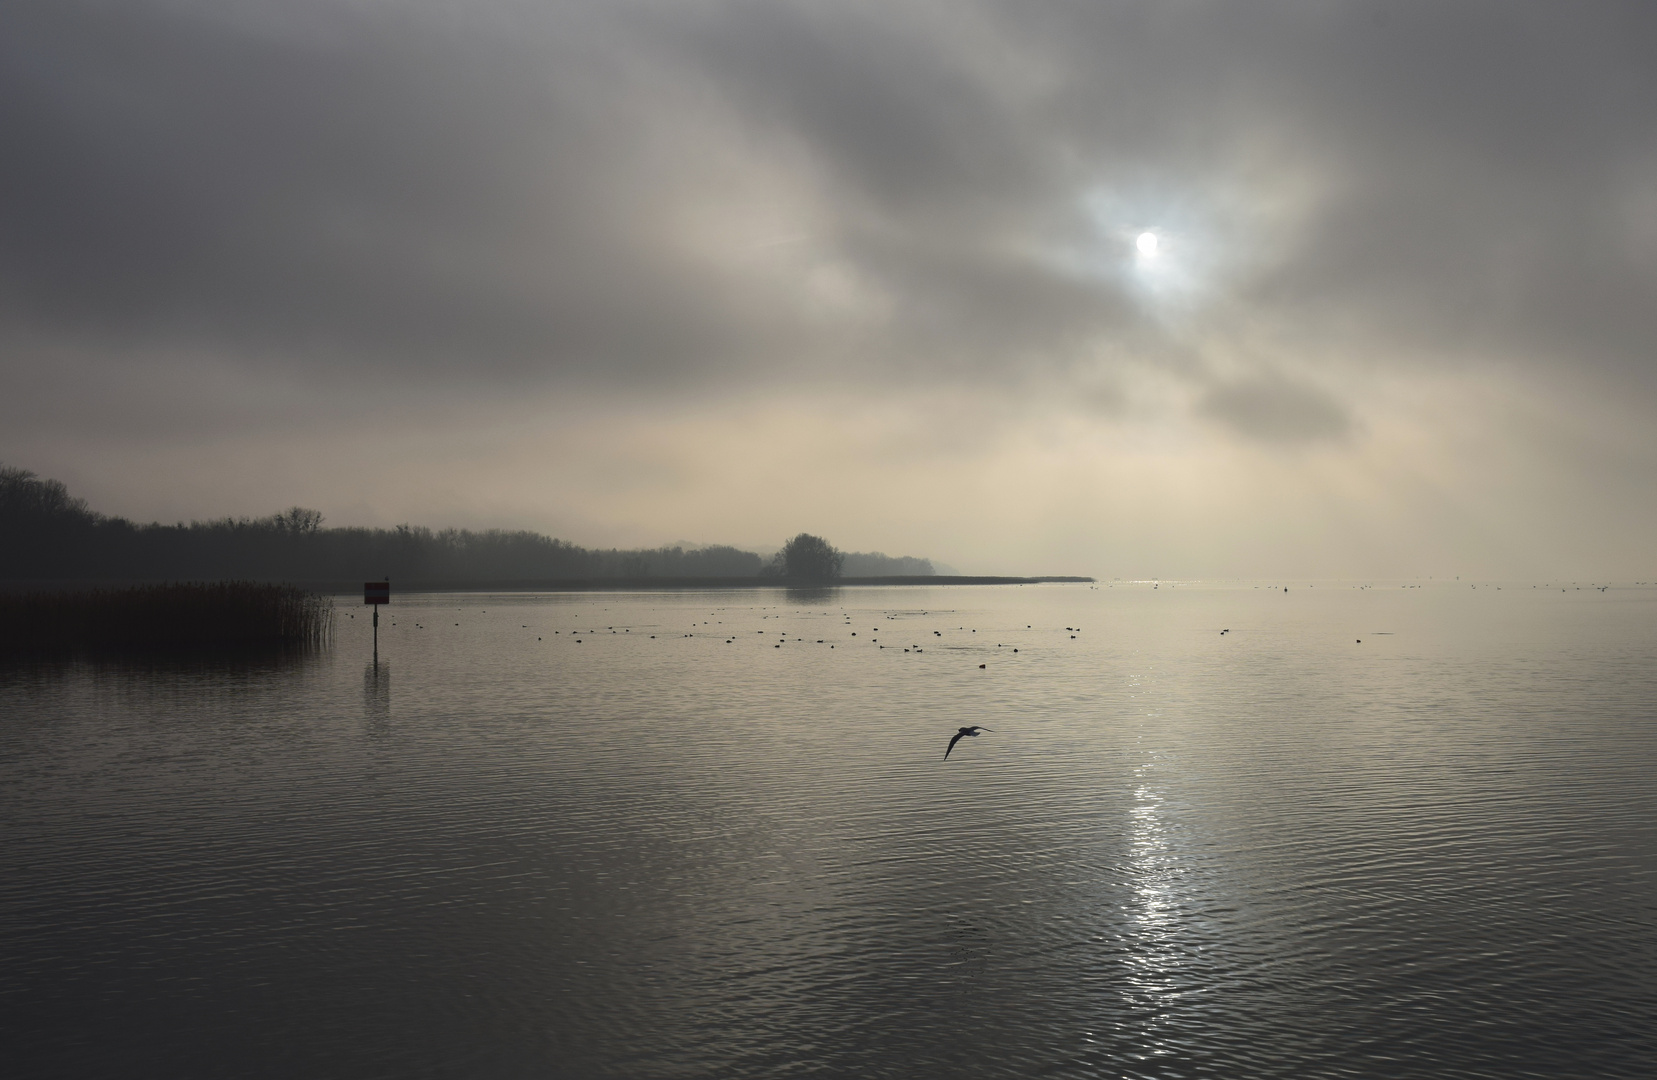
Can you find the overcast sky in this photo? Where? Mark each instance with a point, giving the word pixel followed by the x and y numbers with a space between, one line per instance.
pixel 634 272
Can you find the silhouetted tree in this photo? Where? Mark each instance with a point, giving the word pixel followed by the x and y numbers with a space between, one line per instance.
pixel 299 520
pixel 44 531
pixel 810 558
pixel 23 495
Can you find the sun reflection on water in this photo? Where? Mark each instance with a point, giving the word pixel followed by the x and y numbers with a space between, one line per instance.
pixel 1154 965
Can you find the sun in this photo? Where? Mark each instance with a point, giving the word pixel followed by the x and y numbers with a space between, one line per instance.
pixel 1146 243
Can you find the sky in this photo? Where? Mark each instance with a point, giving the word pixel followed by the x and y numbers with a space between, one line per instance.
pixel 1173 289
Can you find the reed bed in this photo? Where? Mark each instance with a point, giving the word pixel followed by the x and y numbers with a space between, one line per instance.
pixel 188 617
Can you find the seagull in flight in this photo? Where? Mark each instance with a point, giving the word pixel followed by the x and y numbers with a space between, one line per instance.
pixel 966 731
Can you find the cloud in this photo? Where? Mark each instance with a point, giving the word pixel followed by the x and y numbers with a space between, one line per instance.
pixel 226 217
pixel 564 191
pixel 1275 409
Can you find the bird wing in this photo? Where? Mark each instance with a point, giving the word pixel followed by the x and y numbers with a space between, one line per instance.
pixel 952 743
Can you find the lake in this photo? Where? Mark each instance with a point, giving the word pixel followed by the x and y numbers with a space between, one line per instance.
pixel 1407 830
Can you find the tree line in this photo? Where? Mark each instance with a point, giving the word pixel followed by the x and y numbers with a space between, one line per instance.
pixel 47 534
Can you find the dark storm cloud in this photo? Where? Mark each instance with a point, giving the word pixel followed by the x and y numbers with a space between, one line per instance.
pixel 501 193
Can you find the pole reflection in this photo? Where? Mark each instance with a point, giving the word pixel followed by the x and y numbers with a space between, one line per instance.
pixel 376 698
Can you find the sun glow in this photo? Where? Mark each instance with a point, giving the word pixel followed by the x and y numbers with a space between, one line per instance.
pixel 1146 243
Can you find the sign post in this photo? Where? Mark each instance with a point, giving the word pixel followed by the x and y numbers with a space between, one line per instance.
pixel 376 593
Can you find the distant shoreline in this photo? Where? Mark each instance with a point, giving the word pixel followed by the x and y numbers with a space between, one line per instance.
pixel 691 584
pixel 593 584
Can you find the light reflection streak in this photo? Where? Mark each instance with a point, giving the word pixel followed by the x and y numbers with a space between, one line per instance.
pixel 1154 965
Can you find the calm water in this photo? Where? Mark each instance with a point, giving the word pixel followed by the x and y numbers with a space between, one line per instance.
pixel 676 849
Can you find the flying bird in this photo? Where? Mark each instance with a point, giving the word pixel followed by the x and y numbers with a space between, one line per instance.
pixel 966 731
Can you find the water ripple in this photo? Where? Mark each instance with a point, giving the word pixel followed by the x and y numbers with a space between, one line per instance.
pixel 1179 853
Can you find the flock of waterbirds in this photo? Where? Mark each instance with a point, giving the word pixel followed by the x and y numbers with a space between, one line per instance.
pixel 778 639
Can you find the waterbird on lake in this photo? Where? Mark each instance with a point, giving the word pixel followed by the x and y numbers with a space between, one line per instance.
pixel 964 732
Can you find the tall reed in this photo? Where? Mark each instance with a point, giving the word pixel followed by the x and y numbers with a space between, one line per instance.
pixel 224 615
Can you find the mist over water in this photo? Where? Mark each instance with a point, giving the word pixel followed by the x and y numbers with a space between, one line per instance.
pixel 717 837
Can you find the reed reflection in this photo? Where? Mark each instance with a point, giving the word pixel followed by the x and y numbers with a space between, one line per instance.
pixel 237 669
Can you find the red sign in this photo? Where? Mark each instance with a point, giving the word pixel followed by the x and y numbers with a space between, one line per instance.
pixel 376 592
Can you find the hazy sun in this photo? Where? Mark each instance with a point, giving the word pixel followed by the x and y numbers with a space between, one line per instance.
pixel 1146 243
